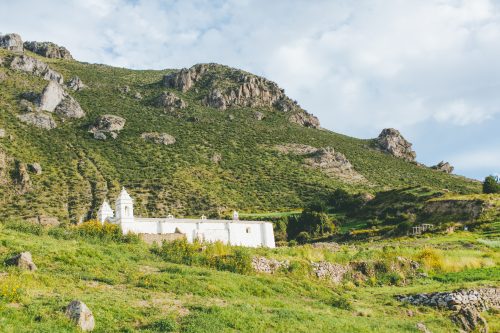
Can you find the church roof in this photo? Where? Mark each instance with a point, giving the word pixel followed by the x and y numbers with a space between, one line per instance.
pixel 124 195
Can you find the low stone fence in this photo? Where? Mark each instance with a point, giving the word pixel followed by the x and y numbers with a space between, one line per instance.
pixel 160 238
pixel 466 305
pixel 270 266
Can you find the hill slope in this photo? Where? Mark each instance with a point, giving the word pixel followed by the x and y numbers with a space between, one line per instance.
pixel 227 125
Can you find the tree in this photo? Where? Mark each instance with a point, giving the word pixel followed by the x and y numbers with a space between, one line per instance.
pixel 491 184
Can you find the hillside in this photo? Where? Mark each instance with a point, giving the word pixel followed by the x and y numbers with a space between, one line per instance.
pixel 207 139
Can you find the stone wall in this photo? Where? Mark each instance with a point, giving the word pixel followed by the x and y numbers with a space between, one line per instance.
pixel 159 238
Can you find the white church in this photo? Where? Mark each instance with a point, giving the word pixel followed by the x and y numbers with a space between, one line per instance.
pixel 233 232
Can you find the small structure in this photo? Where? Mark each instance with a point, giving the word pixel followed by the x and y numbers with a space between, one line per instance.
pixel 419 229
pixel 233 232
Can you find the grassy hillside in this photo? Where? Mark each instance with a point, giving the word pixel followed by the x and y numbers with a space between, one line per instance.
pixel 80 171
pixel 129 288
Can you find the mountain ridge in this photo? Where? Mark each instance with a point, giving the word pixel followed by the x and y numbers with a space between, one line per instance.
pixel 222 159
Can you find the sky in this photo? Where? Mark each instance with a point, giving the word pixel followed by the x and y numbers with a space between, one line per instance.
pixel 429 68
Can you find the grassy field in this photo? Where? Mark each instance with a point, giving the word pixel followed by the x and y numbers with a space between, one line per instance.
pixel 130 289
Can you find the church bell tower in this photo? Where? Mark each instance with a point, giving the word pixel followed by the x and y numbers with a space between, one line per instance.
pixel 124 207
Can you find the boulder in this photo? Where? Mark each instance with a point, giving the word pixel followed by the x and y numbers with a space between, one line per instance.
pixel 51 96
pixel 170 101
pixel 258 115
pixel 81 315
pixel 107 123
pixel 470 320
pixel 76 84
pixel 36 168
pixel 158 138
pixel 304 119
pixel 269 266
pixel 216 158
pixel 22 176
pixel 38 119
pixel 443 166
pixel 326 270
pixel 137 95
pixel 11 42
pixel 2 133
pixel 422 328
pixel 69 108
pixel 392 142
pixel 22 260
pixel 36 67
pixel 48 50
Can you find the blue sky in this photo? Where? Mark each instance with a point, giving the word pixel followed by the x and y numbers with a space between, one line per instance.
pixel 428 68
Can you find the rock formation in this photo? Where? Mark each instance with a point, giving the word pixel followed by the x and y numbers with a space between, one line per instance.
pixel 170 101
pixel 22 177
pixel 304 119
pixel 76 84
pixel 81 315
pixel 39 119
pixel 107 124
pixel 258 115
pixel 392 142
pixel 12 42
pixel 159 138
pixel 48 50
pixel 22 260
pixel 443 166
pixel 51 96
pixel 334 163
pixel 55 99
pixel 36 67
pixel 228 87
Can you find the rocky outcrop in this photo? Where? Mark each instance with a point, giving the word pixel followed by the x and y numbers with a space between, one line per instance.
pixel 304 119
pixel 22 177
pixel 185 78
pixel 169 101
pixel 443 166
pixel 295 148
pixel 48 50
pixel 55 99
pixel 80 314
pixel 69 108
pixel 269 266
pixel 51 96
pixel 76 84
pixel 326 270
pixel 11 42
pixel 467 305
pixel 36 67
pixel 228 87
pixel 22 260
pixel 334 163
pixel 454 210
pixel 392 142
pixel 107 124
pixel 159 138
pixel 42 220
pixel 39 119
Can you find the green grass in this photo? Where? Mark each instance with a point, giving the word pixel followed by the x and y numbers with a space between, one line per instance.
pixel 130 289
pixel 79 171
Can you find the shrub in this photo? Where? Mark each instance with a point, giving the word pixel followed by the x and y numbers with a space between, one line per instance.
pixel 11 292
pixel 341 302
pixel 491 184
pixel 430 258
pixel 24 226
pixel 303 237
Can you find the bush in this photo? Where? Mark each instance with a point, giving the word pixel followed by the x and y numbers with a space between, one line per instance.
pixel 341 303
pixel 430 258
pixel 303 237
pixel 214 255
pixel 24 226
pixel 491 184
